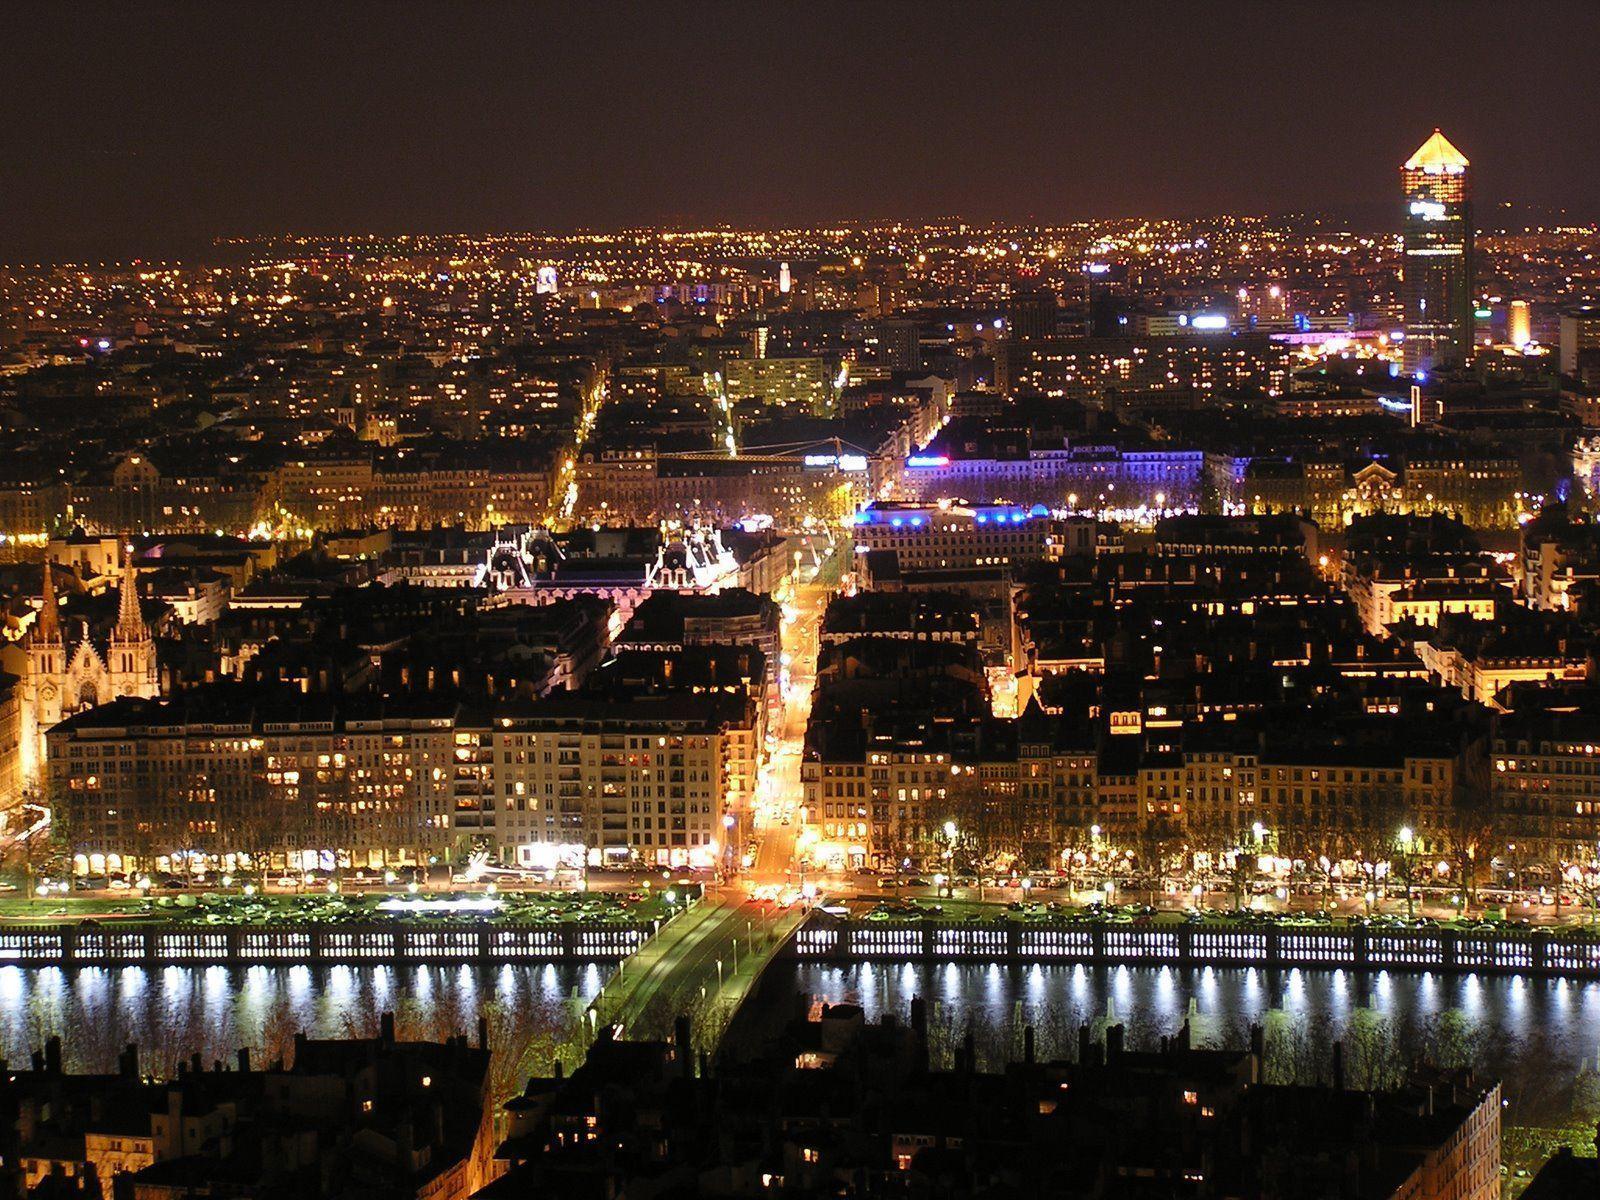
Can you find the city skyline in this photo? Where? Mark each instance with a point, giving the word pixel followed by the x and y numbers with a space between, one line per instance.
pixel 256 123
pixel 1028 574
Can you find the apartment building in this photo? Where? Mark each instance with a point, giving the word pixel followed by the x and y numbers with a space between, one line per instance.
pixel 227 775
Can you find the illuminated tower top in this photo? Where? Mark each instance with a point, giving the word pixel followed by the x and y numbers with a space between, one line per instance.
pixel 1437 156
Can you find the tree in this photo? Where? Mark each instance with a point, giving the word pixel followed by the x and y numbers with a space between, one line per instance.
pixel 988 819
pixel 1322 840
pixel 1404 864
pixel 1079 847
pixel 1469 835
pixel 1379 817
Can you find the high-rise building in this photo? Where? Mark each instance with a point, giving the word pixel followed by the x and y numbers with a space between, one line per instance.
pixel 1580 331
pixel 1519 324
pixel 1032 315
pixel 1437 273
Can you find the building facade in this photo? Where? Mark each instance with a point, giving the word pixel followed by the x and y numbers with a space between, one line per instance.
pixel 221 777
pixel 1437 232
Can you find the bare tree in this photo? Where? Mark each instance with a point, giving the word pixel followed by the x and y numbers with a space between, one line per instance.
pixel 1469 837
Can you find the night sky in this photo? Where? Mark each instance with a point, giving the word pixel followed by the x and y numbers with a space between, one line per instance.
pixel 149 128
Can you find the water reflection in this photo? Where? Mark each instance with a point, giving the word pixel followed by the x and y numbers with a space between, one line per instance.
pixel 213 1011
pixel 1541 1037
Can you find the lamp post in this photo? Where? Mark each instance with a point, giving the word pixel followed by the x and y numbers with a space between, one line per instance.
pixel 1407 847
pixel 1093 858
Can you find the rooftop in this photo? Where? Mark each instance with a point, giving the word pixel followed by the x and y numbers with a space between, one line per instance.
pixel 1437 156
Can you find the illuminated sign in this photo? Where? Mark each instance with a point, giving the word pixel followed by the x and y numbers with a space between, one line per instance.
pixel 927 460
pixel 548 282
pixel 1428 210
pixel 845 462
pixel 1208 321
pixel 1098 268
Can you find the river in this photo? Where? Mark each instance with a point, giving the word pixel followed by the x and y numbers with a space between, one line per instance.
pixel 213 1011
pixel 1540 1037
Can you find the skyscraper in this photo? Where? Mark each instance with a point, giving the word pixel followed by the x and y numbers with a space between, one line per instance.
pixel 1580 334
pixel 1519 324
pixel 1436 287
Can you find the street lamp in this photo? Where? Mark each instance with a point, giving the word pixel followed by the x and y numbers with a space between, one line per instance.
pixel 1406 864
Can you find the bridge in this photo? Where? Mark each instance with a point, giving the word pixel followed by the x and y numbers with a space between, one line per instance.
pixel 702 965
pixel 704 962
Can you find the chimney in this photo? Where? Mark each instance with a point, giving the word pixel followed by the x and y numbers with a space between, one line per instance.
pixel 1113 1042
pixel 299 1047
pixel 244 1060
pixel 483 1033
pixel 1027 1044
pixel 52 1055
pixel 386 1028
pixel 37 1058
pixel 558 1070
pixel 969 1051
pixel 197 1064
pixel 1338 1066
pixel 404 1147
pixel 685 1050
pixel 128 1061
pixel 1181 1042
pixel 1258 1042
pixel 1084 1045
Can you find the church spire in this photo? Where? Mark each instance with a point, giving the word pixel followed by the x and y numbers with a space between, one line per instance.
pixel 130 625
pixel 48 626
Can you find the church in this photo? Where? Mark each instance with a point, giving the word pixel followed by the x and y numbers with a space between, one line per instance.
pixel 71 668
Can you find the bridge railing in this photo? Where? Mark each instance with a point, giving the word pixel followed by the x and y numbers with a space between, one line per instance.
pixel 1539 952
pixel 231 945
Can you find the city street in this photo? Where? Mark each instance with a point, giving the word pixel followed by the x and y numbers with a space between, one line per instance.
pixel 778 818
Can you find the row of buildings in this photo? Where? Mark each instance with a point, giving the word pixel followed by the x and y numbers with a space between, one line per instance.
pixel 836 1105
pixel 1207 688
pixel 376 1116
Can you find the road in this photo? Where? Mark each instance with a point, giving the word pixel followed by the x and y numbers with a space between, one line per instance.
pixel 779 797
pixel 701 966
pixel 705 961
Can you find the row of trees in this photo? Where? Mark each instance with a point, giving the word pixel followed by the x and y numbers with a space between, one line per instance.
pixel 991 827
pixel 230 813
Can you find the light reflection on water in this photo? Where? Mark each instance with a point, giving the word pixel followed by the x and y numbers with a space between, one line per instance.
pixel 213 1011
pixel 1540 1037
